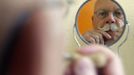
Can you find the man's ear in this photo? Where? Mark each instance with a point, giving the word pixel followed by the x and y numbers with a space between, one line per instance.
pixel 93 19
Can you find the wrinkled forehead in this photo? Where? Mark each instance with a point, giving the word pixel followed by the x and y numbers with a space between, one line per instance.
pixel 108 5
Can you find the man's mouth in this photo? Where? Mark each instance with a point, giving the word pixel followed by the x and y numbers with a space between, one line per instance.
pixel 114 35
pixel 111 33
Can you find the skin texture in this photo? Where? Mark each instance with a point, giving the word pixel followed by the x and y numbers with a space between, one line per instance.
pixel 114 15
pixel 113 66
pixel 36 49
pixel 41 40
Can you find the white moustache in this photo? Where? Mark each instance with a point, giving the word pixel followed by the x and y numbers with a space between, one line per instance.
pixel 107 27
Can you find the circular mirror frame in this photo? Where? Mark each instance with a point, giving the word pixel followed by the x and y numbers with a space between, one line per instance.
pixel 77 28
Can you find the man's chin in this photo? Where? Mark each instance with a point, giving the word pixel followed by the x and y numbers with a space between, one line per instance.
pixel 114 37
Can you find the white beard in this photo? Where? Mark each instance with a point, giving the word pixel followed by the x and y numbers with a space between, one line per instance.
pixel 107 27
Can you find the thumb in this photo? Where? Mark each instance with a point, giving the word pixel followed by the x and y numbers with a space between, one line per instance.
pixel 84 66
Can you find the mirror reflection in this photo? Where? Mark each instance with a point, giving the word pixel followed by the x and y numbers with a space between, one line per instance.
pixel 106 22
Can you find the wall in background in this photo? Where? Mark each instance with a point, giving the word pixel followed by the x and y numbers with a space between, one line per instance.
pixel 126 50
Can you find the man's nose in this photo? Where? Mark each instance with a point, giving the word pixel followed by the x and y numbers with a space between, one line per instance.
pixel 110 19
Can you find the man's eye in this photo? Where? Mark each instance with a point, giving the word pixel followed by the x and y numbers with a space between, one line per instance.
pixel 119 14
pixel 102 14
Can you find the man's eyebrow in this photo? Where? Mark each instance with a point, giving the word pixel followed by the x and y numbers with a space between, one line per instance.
pixel 100 10
pixel 118 9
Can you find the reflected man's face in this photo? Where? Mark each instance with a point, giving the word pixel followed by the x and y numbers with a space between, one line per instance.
pixel 107 13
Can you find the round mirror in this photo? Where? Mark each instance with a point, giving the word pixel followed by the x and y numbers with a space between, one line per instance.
pixel 100 22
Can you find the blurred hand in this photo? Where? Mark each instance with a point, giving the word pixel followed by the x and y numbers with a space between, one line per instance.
pixel 87 67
